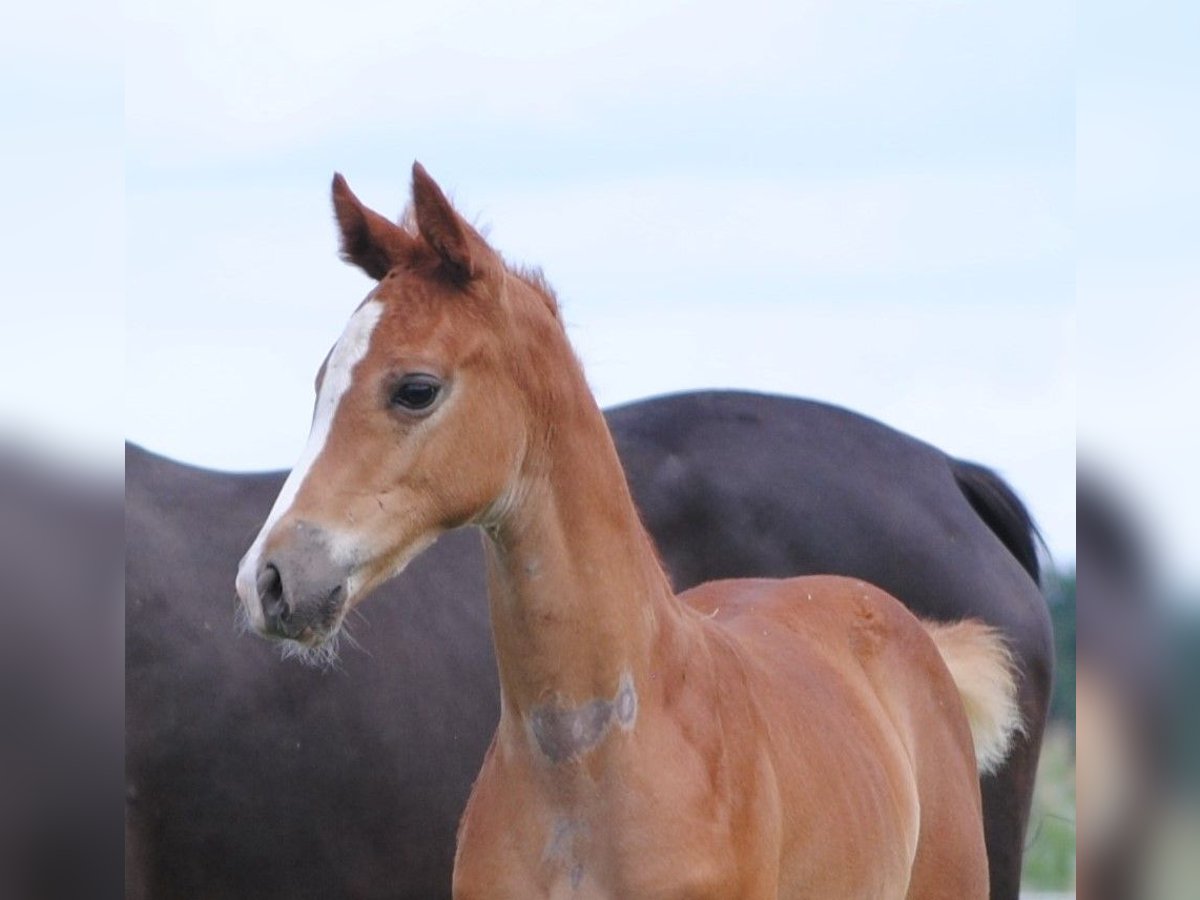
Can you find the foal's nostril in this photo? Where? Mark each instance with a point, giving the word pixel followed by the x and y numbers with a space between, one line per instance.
pixel 270 595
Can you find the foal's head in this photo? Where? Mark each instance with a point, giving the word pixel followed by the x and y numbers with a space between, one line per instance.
pixel 428 407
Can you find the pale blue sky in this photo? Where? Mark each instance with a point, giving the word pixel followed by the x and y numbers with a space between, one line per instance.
pixel 866 203
pixel 1138 184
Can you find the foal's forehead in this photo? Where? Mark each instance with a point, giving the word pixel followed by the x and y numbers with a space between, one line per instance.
pixel 399 317
pixel 351 346
pixel 420 311
pixel 415 288
pixel 388 301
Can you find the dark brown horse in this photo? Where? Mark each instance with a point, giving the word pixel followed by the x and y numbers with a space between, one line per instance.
pixel 219 734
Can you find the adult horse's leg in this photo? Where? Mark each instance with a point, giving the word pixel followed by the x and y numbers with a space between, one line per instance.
pixel 1008 792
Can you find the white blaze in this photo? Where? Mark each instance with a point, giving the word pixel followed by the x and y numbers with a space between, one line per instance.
pixel 347 353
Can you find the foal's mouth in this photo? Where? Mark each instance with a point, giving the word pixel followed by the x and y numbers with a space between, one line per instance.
pixel 313 631
pixel 308 636
pixel 296 635
pixel 317 644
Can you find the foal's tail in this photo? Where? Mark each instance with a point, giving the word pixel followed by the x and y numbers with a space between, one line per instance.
pixel 984 673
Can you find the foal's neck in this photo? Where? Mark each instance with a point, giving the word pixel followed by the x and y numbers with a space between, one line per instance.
pixel 578 596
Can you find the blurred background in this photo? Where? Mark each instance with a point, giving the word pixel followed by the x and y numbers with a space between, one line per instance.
pixel 1138 278
pixel 900 207
pixel 61 422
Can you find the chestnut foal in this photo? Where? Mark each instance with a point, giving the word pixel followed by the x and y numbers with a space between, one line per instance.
pixel 797 738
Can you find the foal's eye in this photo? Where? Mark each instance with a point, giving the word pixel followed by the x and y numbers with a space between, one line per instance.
pixel 416 392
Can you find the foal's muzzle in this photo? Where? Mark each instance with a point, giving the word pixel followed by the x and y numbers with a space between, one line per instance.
pixel 300 588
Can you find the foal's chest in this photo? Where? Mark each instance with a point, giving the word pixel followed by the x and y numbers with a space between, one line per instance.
pixel 513 844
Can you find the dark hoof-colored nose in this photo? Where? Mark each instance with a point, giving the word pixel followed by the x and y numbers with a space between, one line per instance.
pixel 275 607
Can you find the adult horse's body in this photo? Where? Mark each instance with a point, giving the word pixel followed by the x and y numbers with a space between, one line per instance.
pixel 219 732
pixel 759 739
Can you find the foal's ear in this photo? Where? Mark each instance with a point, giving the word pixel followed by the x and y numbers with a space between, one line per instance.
pixel 462 250
pixel 369 241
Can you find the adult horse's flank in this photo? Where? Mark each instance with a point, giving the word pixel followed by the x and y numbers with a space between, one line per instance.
pixel 752 738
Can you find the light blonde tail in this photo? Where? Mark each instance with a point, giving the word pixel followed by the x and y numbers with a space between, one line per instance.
pixel 983 670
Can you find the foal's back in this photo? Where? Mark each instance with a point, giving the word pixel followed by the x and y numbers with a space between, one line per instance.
pixel 865 731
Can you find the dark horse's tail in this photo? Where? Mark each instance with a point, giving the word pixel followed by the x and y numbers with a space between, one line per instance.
pixel 999 506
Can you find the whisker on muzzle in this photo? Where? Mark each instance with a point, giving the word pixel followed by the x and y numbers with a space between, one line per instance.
pixel 352 641
pixel 241 616
pixel 322 656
